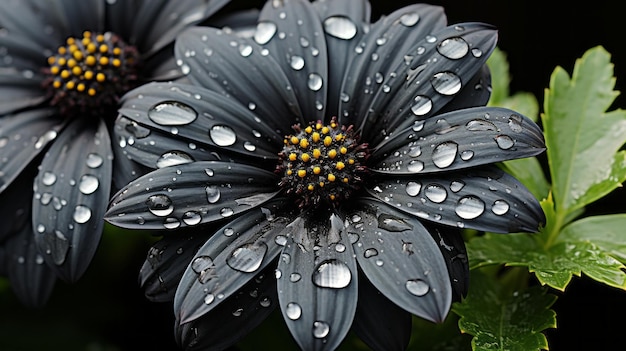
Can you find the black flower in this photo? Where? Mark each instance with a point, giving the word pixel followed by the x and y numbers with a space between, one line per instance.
pixel 63 67
pixel 325 160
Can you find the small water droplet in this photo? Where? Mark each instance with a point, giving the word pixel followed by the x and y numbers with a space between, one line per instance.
pixel 88 184
pixel 94 160
pixel 315 82
pixel 477 52
pixel 208 299
pixel 222 135
pixel 171 223
pixel 415 166
pixel 415 151
pixel 82 214
pixel 320 329
pixel 480 125
pixel 48 178
pixel 247 257
pixel 371 252
pixel 201 264
pixel 469 207
pixel 515 123
pixel 213 193
pixel 265 302
pixel 446 83
pixel 340 247
pixel 297 62
pixel 467 155
pixel 249 146
pixel 413 188
pixel 422 106
pixel 191 218
pixel 436 193
pixel 444 154
pixel 340 27
pixel 504 142
pixel 453 48
pixel 392 224
pixel 172 113
pixel 410 19
pixel 500 207
pixel 332 273
pixel 293 311
pixel 245 50
pixel 295 277
pixel 265 31
pixel 209 172
pixel 173 158
pixel 417 287
pixel 160 205
pixel 456 186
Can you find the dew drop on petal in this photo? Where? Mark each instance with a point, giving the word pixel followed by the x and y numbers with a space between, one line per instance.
pixel 209 172
pixel 392 224
pixel 247 257
pixel 296 62
pixel 280 240
pixel 222 135
pixel 88 184
pixel 226 212
pixel 469 207
pixel 293 311
pixel 201 264
pixel 436 193
pixel 173 158
pixel 332 273
pixel 422 105
pixel 515 123
pixel 94 160
pixel 48 178
pixel 171 223
pixel 160 205
pixel 208 299
pixel 371 252
pixel 340 27
pixel 417 287
pixel 320 329
pixel 500 207
pixel 191 218
pixel 249 146
pixel 504 142
pixel 245 50
pixel 446 83
pixel 265 31
pixel 172 113
pixel 415 151
pixel 213 193
pixel 477 125
pixel 456 186
pixel 413 188
pixel 444 154
pixel 82 214
pixel 315 82
pixel 295 277
pixel 453 48
pixel 467 155
pixel 415 166
pixel 409 19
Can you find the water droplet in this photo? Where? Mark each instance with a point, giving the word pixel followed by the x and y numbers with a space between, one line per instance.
pixel 160 205
pixel 247 257
pixel 45 139
pixel 446 83
pixel 504 142
pixel 320 329
pixel 413 188
pixel 417 287
pixel 480 125
pixel 88 184
pixel 191 218
pixel 82 214
pixel 297 62
pixel 213 194
pixel 245 50
pixel 264 32
pixel 94 160
pixel 467 155
pixel 208 299
pixel 222 135
pixel 48 178
pixel 293 311
pixel 249 146
pixel 201 264
pixel 340 27
pixel 422 106
pixel 173 158
pixel 477 52
pixel 469 207
pixel 436 193
pixel 295 277
pixel 444 154
pixel 171 223
pixel 415 166
pixel 340 247
pixel 415 151
pixel 265 302
pixel 453 48
pixel 500 207
pixel 315 82
pixel 332 273
pixel 515 123
pixel 409 19
pixel 456 186
pixel 226 212
pixel 280 240
pixel 172 113
pixel 392 224
pixel 209 172
pixel 371 252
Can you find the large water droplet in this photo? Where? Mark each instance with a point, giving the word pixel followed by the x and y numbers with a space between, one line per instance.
pixel 48 178
pixel 436 193
pixel 392 224
pixel 82 214
pixel 173 158
pixel 467 155
pixel 453 48
pixel 320 329
pixel 88 184
pixel 413 188
pixel 222 135
pixel 172 113
pixel 409 19
pixel 444 154
pixel 415 166
pixel 315 82
pixel 469 207
pixel 208 299
pixel 446 83
pixel 332 273
pixel 213 193
pixel 201 264
pixel 264 32
pixel 247 257
pixel 296 62
pixel 191 218
pixel 340 27
pixel 515 123
pixel 171 223
pixel 245 50
pixel 94 160
pixel 417 287
pixel 422 106
pixel 476 125
pixel 160 205
pixel 504 142
pixel 226 212
pixel 293 311
pixel 500 207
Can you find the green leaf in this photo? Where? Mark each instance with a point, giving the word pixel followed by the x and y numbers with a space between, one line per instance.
pixel 606 232
pixel 581 138
pixel 529 172
pixel 500 319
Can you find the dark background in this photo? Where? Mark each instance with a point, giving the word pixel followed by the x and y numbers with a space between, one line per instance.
pixel 107 311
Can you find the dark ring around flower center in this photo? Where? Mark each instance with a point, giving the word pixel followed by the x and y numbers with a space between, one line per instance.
pixel 322 162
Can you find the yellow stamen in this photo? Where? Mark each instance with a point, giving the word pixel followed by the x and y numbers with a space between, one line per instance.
pixel 327 141
pixel 305 157
pixel 302 173
pixel 332 153
pixel 340 165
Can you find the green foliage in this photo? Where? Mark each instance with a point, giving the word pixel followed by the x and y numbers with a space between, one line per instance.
pixel 585 163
